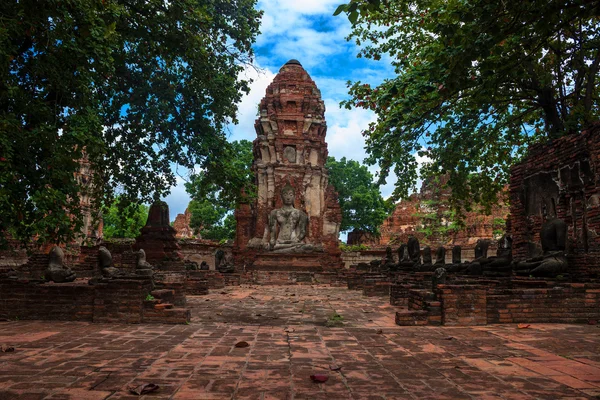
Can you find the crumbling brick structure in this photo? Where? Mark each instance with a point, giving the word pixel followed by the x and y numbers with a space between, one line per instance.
pixel 290 149
pixel 408 219
pixel 563 176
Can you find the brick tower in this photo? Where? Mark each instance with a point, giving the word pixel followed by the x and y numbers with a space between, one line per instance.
pixel 290 149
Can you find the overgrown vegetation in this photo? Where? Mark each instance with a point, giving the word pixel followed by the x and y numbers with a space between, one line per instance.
pixel 214 197
pixel 134 86
pixel 124 221
pixel 476 82
pixel 353 247
pixel 363 207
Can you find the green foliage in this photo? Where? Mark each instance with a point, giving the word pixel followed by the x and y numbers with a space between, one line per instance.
pixel 335 320
pixel 476 83
pixel 139 85
pixel 211 220
pixel 124 220
pixel 353 247
pixel 149 297
pixel 215 197
pixel 363 208
pixel 437 223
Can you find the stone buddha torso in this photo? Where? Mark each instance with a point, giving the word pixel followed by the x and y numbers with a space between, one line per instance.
pixel 287 225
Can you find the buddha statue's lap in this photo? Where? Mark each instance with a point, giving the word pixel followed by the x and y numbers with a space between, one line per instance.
pixel 553 261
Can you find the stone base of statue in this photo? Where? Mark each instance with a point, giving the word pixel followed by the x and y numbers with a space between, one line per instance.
pixel 315 260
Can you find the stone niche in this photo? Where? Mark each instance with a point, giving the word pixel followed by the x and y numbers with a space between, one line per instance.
pixel 562 176
pixel 290 150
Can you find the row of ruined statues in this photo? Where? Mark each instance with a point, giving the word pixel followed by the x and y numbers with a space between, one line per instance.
pixel 413 259
pixel 58 272
pixel 552 260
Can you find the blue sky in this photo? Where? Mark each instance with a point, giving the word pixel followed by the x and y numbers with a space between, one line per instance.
pixel 306 30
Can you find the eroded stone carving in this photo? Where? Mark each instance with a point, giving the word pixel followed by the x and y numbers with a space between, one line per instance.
pixel 57 272
pixel 438 278
pixel 224 262
pixel 553 261
pixel 105 263
pixel 142 266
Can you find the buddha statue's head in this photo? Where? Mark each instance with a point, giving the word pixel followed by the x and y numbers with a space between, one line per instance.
pixel 288 195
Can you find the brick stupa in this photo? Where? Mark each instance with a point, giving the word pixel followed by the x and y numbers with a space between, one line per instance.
pixel 290 149
pixel 157 237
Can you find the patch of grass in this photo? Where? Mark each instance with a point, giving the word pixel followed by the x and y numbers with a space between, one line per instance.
pixel 335 320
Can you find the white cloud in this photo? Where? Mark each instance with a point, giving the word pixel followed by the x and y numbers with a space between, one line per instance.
pixel 248 107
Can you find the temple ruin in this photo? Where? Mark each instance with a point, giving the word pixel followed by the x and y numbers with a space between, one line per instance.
pixel 290 152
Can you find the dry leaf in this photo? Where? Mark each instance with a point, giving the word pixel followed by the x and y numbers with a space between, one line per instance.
pixel 320 378
pixel 523 326
pixel 7 348
pixel 144 389
pixel 334 367
pixel 241 344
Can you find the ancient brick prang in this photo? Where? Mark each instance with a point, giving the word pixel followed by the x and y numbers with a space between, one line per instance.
pixel 92 229
pixel 290 149
pixel 182 225
pixel 561 176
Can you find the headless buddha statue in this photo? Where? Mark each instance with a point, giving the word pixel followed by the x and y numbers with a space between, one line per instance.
pixel 553 261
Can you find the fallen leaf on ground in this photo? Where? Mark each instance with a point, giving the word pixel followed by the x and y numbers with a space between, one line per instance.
pixel 334 367
pixel 523 326
pixel 241 344
pixel 144 389
pixel 320 378
pixel 7 348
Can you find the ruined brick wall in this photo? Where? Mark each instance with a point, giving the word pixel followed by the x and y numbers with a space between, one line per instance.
pixel 409 219
pixel 568 303
pixel 198 250
pixel 182 225
pixel 463 305
pixel 562 175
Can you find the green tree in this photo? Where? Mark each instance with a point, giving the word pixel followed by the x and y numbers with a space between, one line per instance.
pixel 212 221
pixel 215 197
pixel 124 221
pixel 476 83
pixel 363 208
pixel 138 85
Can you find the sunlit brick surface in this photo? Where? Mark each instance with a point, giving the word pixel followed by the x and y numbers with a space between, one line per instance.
pixel 293 333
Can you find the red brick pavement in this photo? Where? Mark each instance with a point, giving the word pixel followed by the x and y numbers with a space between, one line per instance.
pixel 292 333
